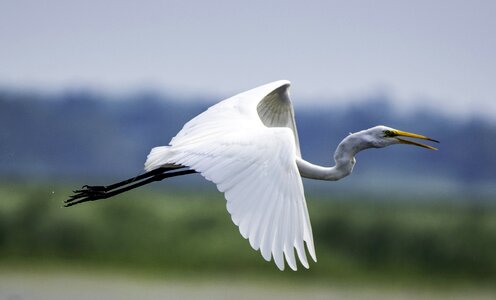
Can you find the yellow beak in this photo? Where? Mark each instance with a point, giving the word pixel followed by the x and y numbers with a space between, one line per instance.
pixel 413 135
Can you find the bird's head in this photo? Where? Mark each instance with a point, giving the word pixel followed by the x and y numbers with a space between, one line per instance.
pixel 382 136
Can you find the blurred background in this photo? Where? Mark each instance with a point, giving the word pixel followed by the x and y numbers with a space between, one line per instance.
pixel 87 88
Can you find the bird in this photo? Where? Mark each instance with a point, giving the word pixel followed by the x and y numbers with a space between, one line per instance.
pixel 248 146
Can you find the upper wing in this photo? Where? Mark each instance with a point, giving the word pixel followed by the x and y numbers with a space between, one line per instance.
pixel 268 104
pixel 276 110
pixel 247 145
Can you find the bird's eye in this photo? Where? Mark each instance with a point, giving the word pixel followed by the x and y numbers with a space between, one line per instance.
pixel 388 133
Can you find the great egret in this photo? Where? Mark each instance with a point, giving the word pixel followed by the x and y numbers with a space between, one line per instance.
pixel 248 146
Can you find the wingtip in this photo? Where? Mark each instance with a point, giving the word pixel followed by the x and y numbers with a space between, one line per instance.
pixel 314 257
pixel 292 264
pixel 279 84
pixel 311 250
pixel 280 266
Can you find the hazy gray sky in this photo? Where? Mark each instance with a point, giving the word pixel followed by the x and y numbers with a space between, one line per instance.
pixel 437 53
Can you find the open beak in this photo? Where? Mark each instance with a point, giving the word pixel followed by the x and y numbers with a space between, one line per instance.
pixel 416 136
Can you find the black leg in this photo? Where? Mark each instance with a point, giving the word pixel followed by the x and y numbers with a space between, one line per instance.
pixel 106 188
pixel 92 193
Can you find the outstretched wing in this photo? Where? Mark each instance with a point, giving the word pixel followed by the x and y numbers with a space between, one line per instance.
pixel 255 166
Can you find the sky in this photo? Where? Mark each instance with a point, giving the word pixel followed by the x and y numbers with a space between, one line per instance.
pixel 435 54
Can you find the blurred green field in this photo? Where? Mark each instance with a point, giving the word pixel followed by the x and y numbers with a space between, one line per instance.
pixel 175 232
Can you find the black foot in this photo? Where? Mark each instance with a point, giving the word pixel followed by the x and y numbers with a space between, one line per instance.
pixel 87 193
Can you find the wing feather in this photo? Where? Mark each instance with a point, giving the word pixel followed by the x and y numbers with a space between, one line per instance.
pixel 291 238
pixel 300 248
pixel 253 162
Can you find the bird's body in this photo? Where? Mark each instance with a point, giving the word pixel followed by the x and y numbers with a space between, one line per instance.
pixel 248 146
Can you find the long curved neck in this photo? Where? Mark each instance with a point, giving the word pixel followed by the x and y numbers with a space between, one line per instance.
pixel 344 158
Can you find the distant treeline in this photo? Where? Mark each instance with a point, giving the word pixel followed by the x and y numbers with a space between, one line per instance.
pixel 81 133
pixel 175 231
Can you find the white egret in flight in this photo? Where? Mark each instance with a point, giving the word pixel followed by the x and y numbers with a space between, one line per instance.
pixel 248 146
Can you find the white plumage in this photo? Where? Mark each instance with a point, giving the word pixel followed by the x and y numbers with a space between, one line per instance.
pixel 235 145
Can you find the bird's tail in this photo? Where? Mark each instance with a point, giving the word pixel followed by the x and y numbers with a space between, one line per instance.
pixel 158 158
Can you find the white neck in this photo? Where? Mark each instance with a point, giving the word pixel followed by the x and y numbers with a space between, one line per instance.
pixel 344 158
